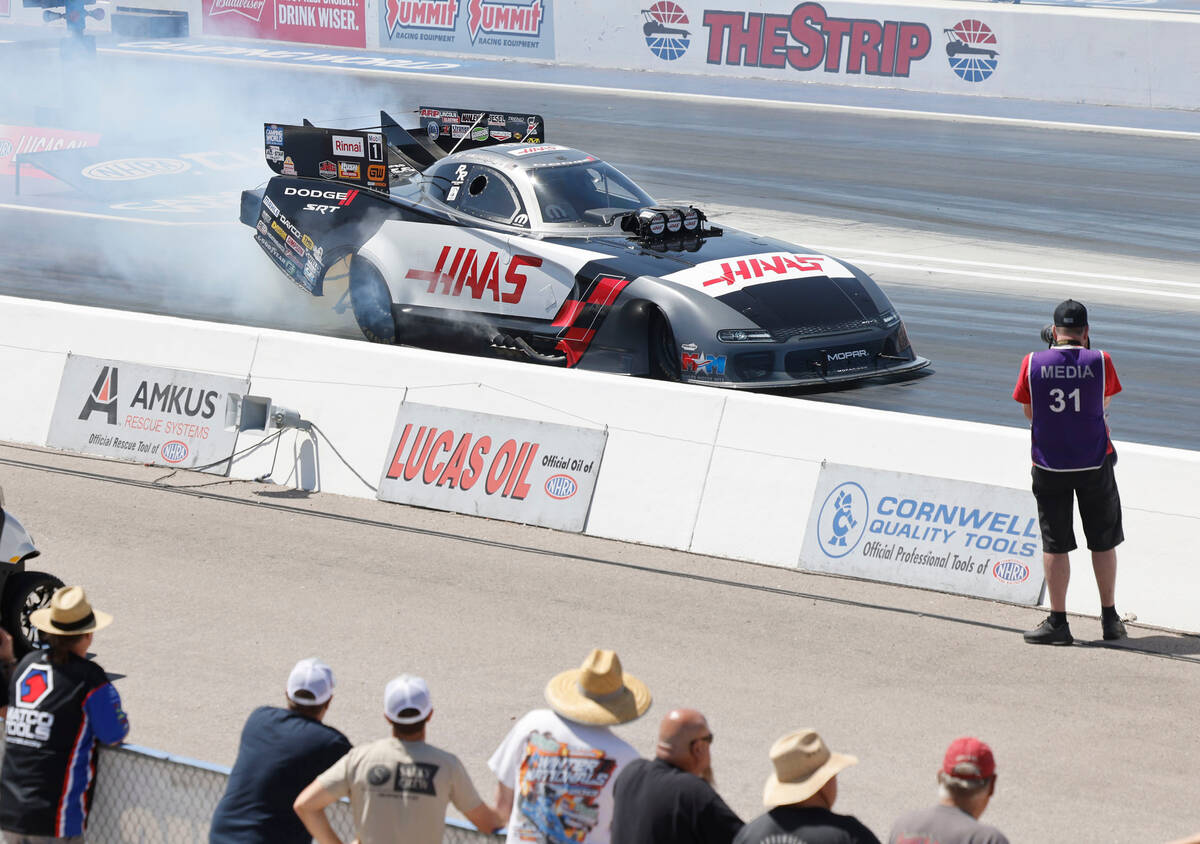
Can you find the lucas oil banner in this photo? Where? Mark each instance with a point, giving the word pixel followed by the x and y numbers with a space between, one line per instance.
pixel 952 536
pixel 537 473
pixel 146 414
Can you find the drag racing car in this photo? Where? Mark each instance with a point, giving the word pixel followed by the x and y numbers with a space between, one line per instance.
pixel 471 233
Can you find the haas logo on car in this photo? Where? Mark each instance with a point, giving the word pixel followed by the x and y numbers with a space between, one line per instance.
pixel 451 275
pixel 342 197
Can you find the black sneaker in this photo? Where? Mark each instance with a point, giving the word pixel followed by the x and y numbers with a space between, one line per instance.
pixel 1113 629
pixel 1049 633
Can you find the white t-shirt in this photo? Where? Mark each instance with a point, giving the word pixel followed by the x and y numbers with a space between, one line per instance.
pixel 561 774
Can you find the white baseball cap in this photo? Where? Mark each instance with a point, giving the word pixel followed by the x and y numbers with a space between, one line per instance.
pixel 406 700
pixel 311 676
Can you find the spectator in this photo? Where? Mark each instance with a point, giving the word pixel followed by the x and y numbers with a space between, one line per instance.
pixel 61 704
pixel 398 786
pixel 1065 391
pixel 966 783
pixel 671 800
pixel 281 751
pixel 800 794
pixel 556 767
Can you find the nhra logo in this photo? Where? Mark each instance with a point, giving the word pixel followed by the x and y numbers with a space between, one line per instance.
pixel 131 169
pixel 561 487
pixel 971 46
pixel 175 451
pixel 665 26
pixel 843 519
pixel 1010 571
pixel 494 18
pixel 34 684
pixel 103 397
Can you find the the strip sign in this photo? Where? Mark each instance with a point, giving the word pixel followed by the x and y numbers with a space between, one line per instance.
pixel 953 536
pixel 501 467
pixel 147 414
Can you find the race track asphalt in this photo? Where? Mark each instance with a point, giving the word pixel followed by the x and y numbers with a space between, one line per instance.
pixel 218 589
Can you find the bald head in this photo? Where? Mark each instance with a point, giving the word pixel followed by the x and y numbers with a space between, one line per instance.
pixel 683 739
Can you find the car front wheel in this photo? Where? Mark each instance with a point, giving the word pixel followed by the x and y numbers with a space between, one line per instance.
pixel 23 593
pixel 664 354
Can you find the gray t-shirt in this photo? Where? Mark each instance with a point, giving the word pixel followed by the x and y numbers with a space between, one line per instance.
pixel 943 825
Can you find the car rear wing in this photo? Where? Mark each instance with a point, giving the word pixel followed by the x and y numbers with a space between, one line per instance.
pixel 370 158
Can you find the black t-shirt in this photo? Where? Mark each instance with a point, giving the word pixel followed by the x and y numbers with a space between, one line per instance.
pixel 56 714
pixel 794 825
pixel 656 803
pixel 280 753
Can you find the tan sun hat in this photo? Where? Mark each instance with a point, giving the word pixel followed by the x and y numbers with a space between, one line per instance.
pixel 69 614
pixel 803 764
pixel 598 692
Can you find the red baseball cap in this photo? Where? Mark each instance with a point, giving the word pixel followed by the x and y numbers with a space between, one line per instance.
pixel 969 759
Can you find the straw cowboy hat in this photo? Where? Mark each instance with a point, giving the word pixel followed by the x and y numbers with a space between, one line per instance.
pixel 803 764
pixel 598 692
pixel 69 614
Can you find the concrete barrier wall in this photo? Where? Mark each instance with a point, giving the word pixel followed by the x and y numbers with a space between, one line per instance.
pixel 706 470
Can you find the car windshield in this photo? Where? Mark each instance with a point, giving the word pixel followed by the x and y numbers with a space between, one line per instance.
pixel 589 193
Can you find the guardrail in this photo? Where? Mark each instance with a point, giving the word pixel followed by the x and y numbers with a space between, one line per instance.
pixel 146 796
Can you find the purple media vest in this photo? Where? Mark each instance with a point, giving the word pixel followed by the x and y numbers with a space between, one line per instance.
pixel 1066 385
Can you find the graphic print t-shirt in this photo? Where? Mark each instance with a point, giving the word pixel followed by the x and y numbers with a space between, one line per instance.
pixel 398 790
pixel 561 774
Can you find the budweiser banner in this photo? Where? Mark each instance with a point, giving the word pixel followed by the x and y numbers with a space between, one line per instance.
pixel 510 28
pixel 338 23
pixel 146 414
pixel 501 467
pixel 953 536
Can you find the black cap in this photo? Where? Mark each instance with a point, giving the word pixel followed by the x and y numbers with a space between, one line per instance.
pixel 1070 314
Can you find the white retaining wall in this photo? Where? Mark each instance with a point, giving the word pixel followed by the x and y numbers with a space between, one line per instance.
pixel 706 470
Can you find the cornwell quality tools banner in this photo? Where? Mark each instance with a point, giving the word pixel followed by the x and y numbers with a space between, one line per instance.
pixel 146 414
pixel 953 536
pixel 537 473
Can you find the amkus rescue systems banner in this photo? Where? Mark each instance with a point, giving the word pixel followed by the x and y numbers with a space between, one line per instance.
pixel 146 414
pixel 953 536
pixel 509 28
pixel 537 473
pixel 337 23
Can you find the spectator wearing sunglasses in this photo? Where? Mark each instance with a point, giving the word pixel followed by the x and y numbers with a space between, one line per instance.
pixel 670 799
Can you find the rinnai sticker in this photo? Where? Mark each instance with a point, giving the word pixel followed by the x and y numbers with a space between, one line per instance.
pixel 146 414
pixel 507 27
pixel 808 38
pixel 953 536
pixel 496 466
pixel 348 145
pixel 725 276
pixel 340 23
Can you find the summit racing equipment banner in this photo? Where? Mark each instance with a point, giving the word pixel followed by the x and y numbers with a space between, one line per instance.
pixel 518 29
pixel 146 414
pixel 339 23
pixel 952 536
pixel 536 473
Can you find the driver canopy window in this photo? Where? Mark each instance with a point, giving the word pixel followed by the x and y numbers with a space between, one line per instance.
pixel 484 192
pixel 586 193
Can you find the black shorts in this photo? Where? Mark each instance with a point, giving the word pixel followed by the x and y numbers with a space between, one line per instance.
pixel 1099 507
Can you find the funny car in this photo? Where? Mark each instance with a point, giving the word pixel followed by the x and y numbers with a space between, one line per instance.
pixel 470 232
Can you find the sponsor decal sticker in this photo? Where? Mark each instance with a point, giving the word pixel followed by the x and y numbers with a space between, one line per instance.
pixel 274 135
pixel 376 173
pixel 327 169
pixel 433 129
pixel 294 246
pixel 477 274
pixel 534 150
pixel 349 170
pixel 307 241
pixel 699 363
pixel 130 169
pixel 348 145
pixel 501 136
pixel 342 197
pixel 479 133
pixel 275 154
pixel 289 167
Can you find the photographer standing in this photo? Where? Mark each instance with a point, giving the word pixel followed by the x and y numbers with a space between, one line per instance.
pixel 1065 391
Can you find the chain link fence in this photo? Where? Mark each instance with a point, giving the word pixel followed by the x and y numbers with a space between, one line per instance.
pixel 145 796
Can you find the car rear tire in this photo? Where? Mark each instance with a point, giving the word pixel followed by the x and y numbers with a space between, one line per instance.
pixel 664 354
pixel 371 301
pixel 23 593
